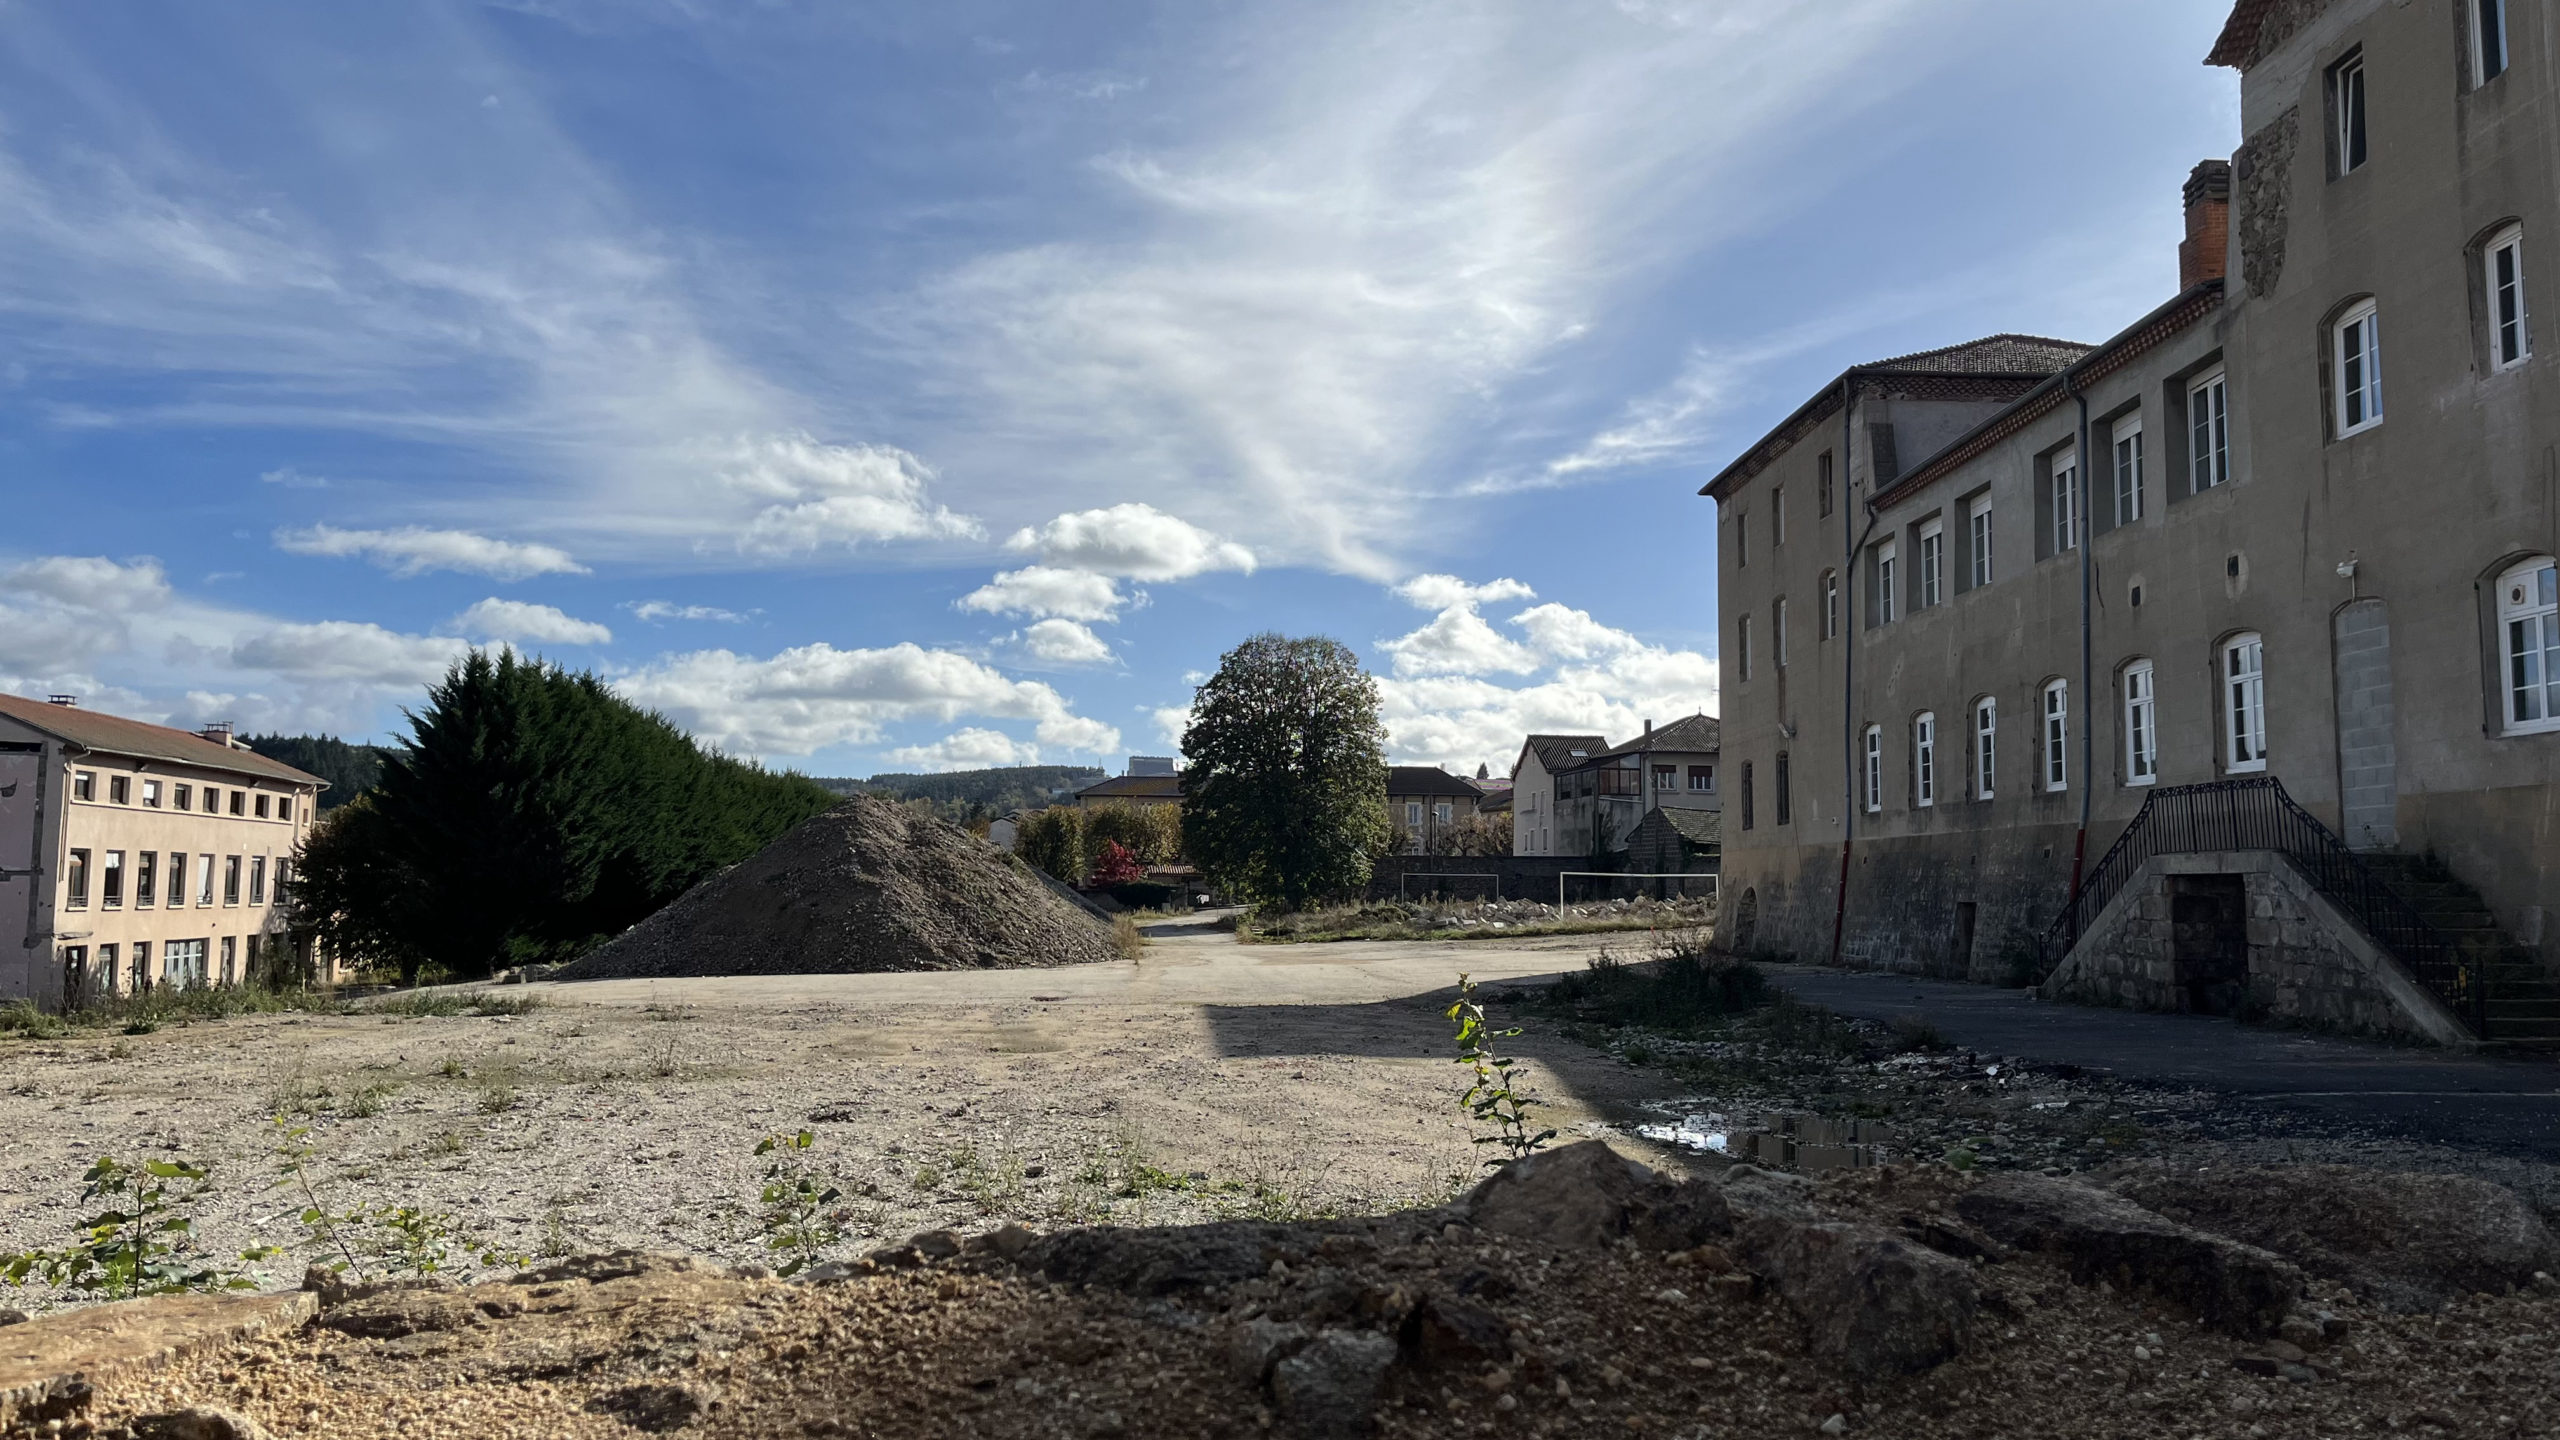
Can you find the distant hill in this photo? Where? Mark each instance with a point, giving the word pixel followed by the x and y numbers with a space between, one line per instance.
pixel 960 795
pixel 350 770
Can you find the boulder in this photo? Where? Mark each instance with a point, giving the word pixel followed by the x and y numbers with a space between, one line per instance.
pixel 1587 1196
pixel 1872 1302
pixel 2408 1241
pixel 1328 1390
pixel 2236 1288
pixel 200 1423
pixel 1166 1260
pixel 1447 1332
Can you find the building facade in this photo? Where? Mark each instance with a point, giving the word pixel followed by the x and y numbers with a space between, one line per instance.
pixel 2298 522
pixel 134 855
pixel 1536 819
pixel 1425 803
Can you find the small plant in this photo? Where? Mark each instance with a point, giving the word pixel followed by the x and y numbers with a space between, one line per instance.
pixel 490 1002
pixel 450 1142
pixel 141 1244
pixel 21 1017
pixel 665 1055
pixel 366 1102
pixel 497 1097
pixel 420 1004
pixel 1494 1096
pixel 1126 939
pixel 373 1239
pixel 453 1069
pixel 795 1200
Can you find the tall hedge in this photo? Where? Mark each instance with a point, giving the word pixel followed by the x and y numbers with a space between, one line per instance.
pixel 530 813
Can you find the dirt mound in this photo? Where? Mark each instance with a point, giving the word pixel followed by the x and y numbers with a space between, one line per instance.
pixel 869 885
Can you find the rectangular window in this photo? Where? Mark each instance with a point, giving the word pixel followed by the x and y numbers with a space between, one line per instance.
pixel 258 873
pixel 2066 501
pixel 1830 603
pixel 2358 358
pixel 1986 736
pixel 1702 777
pixel 262 807
pixel 1413 814
pixel 1822 485
pixel 2057 735
pixel 75 881
pixel 151 794
pixel 142 957
pixel 177 878
pixel 1778 632
pixel 2128 438
pixel 2208 432
pixel 1742 646
pixel 230 879
pixel 146 878
pixel 1885 559
pixel 111 880
pixel 1871 770
pixel 120 789
pixel 2488 40
pixel 1666 777
pixel 204 879
pixel 182 797
pixel 2511 332
pixel 284 807
pixel 1924 761
pixel 2244 688
pixel 2141 726
pixel 1978 517
pixel 230 958
pixel 84 784
pixel 2529 607
pixel 1933 562
pixel 1786 795
pixel 1746 795
pixel 2346 110
pixel 1777 515
pixel 1622 780
pixel 239 802
pixel 212 800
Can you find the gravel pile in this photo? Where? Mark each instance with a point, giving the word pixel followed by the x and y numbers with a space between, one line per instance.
pixel 869 885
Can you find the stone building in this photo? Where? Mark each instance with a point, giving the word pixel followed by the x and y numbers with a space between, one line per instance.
pixel 2053 621
pixel 1425 802
pixel 134 854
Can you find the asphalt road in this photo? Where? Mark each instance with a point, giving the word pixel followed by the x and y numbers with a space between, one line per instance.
pixel 2432 1096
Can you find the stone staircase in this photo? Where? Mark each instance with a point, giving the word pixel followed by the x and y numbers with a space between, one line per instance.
pixel 2524 996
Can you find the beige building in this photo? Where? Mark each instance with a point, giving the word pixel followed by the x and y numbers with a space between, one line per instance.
pixel 134 854
pixel 2216 665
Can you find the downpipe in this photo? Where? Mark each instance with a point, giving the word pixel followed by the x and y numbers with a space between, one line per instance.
pixel 2088 697
pixel 1848 667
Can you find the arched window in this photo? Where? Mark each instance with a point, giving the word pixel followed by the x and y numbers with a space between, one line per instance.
pixel 2141 724
pixel 2057 734
pixel 1871 769
pixel 1924 760
pixel 1986 735
pixel 2244 703
pixel 2529 618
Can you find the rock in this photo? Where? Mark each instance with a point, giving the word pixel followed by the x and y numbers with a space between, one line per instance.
pixel 1168 1260
pixel 394 1313
pixel 1329 1389
pixel 934 1244
pixel 2255 1364
pixel 1588 1196
pixel 655 1409
pixel 1838 1424
pixel 2233 1287
pixel 1950 1236
pixel 1448 1333
pixel 2410 1241
pixel 1260 1344
pixel 1873 1302
pixel 1010 1240
pixel 2302 1331
pixel 597 1269
pixel 13 1317
pixel 2286 1351
pixel 831 1272
pixel 200 1423
pixel 1750 1190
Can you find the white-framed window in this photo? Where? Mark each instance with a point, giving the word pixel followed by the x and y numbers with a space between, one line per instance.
pixel 204 879
pixel 2510 323
pixel 1778 631
pixel 1702 778
pixel 2057 735
pixel 2141 724
pixel 2529 617
pixel 1933 562
pixel 2066 500
pixel 1986 744
pixel 1742 646
pixel 1885 558
pixel 1830 603
pixel 1978 518
pixel 2128 447
pixel 2355 353
pixel 84 784
pixel 2209 431
pixel 1924 760
pixel 2244 703
pixel 2346 112
pixel 111 879
pixel 2488 40
pixel 151 794
pixel 1778 515
pixel 1873 769
pixel 1413 814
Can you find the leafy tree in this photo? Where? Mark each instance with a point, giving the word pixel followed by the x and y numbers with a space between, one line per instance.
pixel 1285 788
pixel 1117 866
pixel 1053 840
pixel 1151 833
pixel 531 813
pixel 350 770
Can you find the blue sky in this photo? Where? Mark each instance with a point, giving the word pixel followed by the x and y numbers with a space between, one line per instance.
pixel 896 386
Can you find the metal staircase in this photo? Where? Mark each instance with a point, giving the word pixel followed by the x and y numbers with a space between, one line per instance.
pixel 2521 1009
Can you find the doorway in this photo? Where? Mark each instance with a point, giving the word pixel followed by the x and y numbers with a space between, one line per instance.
pixel 1961 965
pixel 2209 941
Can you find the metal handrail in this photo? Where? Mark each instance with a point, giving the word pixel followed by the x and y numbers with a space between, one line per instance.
pixel 2257 814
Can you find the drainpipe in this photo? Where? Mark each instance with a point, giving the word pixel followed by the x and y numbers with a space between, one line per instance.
pixel 2088 716
pixel 1848 664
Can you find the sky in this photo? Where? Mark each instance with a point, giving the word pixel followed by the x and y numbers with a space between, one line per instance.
pixel 926 386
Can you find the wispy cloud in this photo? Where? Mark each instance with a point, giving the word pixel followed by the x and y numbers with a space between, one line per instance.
pixel 496 619
pixel 413 550
pixel 656 612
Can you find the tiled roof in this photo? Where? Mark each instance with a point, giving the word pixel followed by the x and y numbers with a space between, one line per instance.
pixel 1698 827
pixel 115 735
pixel 1428 780
pixel 2258 26
pixel 1990 355
pixel 1696 732
pixel 1134 787
pixel 1496 803
pixel 1556 751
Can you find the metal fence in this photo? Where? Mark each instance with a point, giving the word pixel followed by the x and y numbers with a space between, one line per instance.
pixel 2257 814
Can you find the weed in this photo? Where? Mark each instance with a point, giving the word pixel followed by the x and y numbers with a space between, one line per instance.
pixel 419 1004
pixel 555 1232
pixel 294 1092
pixel 141 1243
pixel 366 1102
pixel 665 1055
pixel 21 1017
pixel 994 1186
pixel 490 1002
pixel 450 1142
pixel 1681 988
pixel 373 1238
pixel 928 1178
pixel 1126 941
pixel 795 1200
pixel 120 1050
pixel 1495 1095
pixel 497 1097
pixel 453 1068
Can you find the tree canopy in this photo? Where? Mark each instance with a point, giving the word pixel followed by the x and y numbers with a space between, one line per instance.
pixel 350 770
pixel 1284 789
pixel 530 813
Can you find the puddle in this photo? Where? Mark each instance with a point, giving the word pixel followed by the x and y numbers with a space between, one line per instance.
pixel 1782 1140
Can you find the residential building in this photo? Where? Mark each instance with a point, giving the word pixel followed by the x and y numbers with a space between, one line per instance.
pixel 1605 796
pixel 2213 550
pixel 133 855
pixel 1425 801
pixel 1150 780
pixel 1535 794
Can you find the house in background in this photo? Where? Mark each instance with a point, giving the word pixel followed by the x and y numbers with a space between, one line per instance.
pixel 1534 791
pixel 1424 801
pixel 1151 780
pixel 1600 797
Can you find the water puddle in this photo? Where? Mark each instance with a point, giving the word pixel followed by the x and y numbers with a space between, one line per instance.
pixel 1782 1140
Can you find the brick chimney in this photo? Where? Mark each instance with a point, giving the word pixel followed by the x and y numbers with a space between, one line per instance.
pixel 219 732
pixel 2205 253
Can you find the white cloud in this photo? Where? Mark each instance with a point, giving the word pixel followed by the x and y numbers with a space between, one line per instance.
pixel 1568 634
pixel 813 696
pixel 1134 540
pixel 293 479
pixel 1459 642
pixel 496 619
pixel 820 494
pixel 413 551
pixel 91 582
pixel 657 611
pixel 970 749
pixel 1064 642
pixel 1439 592
pixel 348 650
pixel 1171 723
pixel 1592 679
pixel 1045 590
